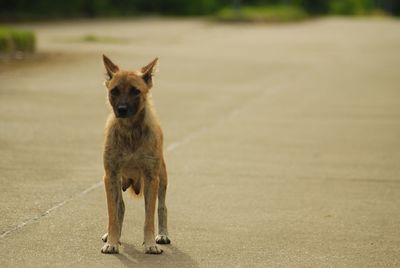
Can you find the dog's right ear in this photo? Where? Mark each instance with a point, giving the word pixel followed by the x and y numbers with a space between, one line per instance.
pixel 111 68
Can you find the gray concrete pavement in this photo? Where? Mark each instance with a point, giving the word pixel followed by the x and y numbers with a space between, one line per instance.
pixel 282 145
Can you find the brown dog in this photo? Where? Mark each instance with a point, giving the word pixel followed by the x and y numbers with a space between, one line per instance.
pixel 133 155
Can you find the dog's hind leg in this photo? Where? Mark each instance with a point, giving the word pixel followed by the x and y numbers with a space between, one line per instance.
pixel 162 237
pixel 121 213
pixel 116 209
pixel 150 196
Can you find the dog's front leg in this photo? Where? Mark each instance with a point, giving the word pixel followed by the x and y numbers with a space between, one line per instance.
pixel 162 237
pixel 114 196
pixel 150 196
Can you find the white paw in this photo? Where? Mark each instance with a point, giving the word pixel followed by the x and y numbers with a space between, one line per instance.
pixel 162 239
pixel 110 249
pixel 104 237
pixel 152 249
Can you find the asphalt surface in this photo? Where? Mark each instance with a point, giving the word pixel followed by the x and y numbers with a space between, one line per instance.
pixel 282 144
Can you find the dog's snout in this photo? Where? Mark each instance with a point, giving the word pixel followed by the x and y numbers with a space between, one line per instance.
pixel 122 110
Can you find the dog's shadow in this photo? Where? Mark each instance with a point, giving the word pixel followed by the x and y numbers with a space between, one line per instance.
pixel 131 256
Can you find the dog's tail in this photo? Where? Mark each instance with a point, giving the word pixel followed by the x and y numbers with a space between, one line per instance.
pixel 134 187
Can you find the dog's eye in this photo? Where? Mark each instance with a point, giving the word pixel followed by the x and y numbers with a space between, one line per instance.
pixel 115 92
pixel 134 92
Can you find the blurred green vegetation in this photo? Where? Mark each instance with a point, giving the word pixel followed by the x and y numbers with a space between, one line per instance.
pixel 93 38
pixel 273 13
pixel 13 41
pixel 11 10
pixel 350 7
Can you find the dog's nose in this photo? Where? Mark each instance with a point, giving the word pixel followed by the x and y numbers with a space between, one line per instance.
pixel 122 110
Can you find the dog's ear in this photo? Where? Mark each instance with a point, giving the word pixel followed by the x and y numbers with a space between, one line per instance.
pixel 111 68
pixel 148 72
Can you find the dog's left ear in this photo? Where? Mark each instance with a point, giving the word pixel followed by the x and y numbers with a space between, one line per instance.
pixel 148 72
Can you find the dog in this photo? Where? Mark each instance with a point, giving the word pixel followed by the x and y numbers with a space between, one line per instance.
pixel 133 155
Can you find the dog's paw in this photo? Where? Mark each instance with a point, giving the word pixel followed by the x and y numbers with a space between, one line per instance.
pixel 110 249
pixel 162 239
pixel 152 249
pixel 104 237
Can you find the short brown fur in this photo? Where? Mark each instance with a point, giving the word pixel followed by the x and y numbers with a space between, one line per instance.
pixel 133 154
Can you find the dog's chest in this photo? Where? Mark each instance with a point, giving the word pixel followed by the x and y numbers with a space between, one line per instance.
pixel 136 150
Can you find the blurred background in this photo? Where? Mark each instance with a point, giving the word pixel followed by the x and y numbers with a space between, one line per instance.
pixel 46 9
pixel 13 42
pixel 281 122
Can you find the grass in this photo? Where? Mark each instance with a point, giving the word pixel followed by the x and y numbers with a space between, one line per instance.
pixel 276 13
pixel 14 41
pixel 92 38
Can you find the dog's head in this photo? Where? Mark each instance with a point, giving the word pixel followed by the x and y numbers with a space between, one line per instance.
pixel 127 90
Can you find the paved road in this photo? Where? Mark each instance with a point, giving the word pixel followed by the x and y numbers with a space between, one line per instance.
pixel 282 144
